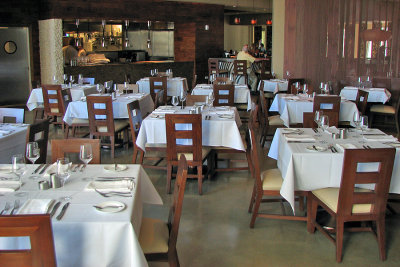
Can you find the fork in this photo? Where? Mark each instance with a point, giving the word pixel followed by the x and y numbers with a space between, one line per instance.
pixel 16 206
pixel 114 193
pixel 6 208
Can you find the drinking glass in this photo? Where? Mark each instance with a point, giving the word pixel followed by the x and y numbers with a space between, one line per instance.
pixel 152 73
pixel 63 170
pixel 65 77
pixel 126 86
pixel 363 126
pixel 317 118
pixel 85 153
pixel 175 100
pixel 155 72
pixel 32 153
pixel 71 79
pixel 287 75
pixel 183 97
pixel 98 88
pixel 324 122
pixel 356 119
pixel 18 167
pixel 305 88
pixel 210 99
pixel 107 85
pixel 80 79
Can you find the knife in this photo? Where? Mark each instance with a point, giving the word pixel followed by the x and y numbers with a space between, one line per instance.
pixel 38 168
pixel 43 170
pixel 53 211
pixel 63 210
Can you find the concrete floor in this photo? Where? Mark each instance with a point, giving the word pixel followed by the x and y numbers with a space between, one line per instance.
pixel 214 229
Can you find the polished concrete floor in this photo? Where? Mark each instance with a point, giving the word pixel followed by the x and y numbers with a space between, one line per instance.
pixel 214 229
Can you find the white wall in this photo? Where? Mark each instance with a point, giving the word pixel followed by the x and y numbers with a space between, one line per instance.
pixel 278 37
pixel 235 36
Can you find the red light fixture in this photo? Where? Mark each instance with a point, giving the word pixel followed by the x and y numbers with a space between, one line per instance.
pixel 253 21
pixel 236 20
pixel 269 22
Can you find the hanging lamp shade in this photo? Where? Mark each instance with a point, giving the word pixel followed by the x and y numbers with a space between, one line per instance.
pixel 236 20
pixel 253 21
pixel 375 35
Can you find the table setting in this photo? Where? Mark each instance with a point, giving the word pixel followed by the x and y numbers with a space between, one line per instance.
pixel 376 95
pixel 175 85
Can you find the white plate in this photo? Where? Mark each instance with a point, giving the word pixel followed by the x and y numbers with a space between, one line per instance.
pixel 318 148
pixel 110 206
pixel 116 168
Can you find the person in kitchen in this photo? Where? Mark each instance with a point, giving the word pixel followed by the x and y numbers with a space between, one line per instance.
pixel 69 52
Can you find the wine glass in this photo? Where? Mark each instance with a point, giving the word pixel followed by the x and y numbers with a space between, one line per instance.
pixel 183 97
pixel 32 153
pixel 126 86
pixel 63 170
pixel 98 88
pixel 55 80
pixel 210 99
pixel 18 167
pixel 317 118
pixel 107 85
pixel 356 119
pixel 175 100
pixel 86 154
pixel 65 77
pixel 71 79
pixel 363 126
pixel 324 122
pixel 152 73
pixel 80 79
pixel 155 72
pixel 321 87
pixel 305 88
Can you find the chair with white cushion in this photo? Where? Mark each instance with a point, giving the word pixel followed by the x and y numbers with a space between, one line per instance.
pixel 389 113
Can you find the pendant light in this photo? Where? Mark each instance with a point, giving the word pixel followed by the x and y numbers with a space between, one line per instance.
pixel 126 43
pixel 77 41
pixel 103 39
pixel 253 20
pixel 148 34
pixel 236 20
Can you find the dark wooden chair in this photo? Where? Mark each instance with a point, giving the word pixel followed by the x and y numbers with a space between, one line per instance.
pixel 240 70
pixel 361 101
pixel 266 184
pixel 76 122
pixel 158 238
pixel 154 152
pixel 60 147
pixel 390 114
pixel 101 120
pixel 38 229
pixel 191 100
pixel 224 94
pixel 265 71
pixel 131 89
pixel 39 132
pixel 292 81
pixel 193 151
pixel 158 84
pixel 54 106
pixel 351 204
pixel 222 80
pixel 213 68
pixel 308 120
pixel 330 105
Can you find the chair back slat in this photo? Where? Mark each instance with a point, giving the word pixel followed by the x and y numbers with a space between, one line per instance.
pixel 240 70
pixel 224 94
pixel 100 113
pixel 158 84
pixel 53 100
pixel 39 132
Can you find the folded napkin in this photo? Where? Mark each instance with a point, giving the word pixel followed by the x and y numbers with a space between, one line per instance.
pixel 105 186
pixel 292 131
pixel 164 111
pixel 36 206
pixel 9 186
pixel 299 137
pixel 331 130
pixel 51 169
pixel 342 147
pixel 380 138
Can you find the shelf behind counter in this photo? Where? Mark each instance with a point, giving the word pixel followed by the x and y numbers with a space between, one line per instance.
pixel 135 70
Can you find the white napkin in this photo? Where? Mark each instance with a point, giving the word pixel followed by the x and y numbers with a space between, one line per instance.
pixel 36 206
pixel 331 130
pixel 51 169
pixel 380 138
pixel 342 147
pixel 299 137
pixel 9 186
pixel 105 186
pixel 164 111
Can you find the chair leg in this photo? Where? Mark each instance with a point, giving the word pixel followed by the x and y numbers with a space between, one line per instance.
pixel 135 154
pixel 255 211
pixel 339 239
pixel 200 178
pixel 301 203
pixel 169 175
pixel 380 231
pixel 173 258
pixel 312 206
pixel 248 157
pixel 112 139
pixel 66 132
pixel 253 195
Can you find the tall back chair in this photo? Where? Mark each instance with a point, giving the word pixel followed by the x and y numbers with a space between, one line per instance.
pixel 131 89
pixel 265 71
pixel 38 229
pixel 240 70
pixel 186 128
pixel 76 122
pixel 157 84
pixel 60 147
pixel 191 100
pixel 222 80
pixel 213 68
pixel 361 101
pixel 291 82
pixel 330 105
pixel 101 120
pixel 308 120
pixel 54 106
pixel 39 132
pixel 158 239
pixel 224 94
pixel 349 203
pixel 12 115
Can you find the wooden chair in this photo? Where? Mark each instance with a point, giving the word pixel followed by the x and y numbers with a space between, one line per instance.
pixel 267 122
pixel 265 71
pixel 39 132
pixel 88 81
pixel 60 147
pixel 361 101
pixel 155 152
pixel 224 94
pixel 132 88
pixel 38 229
pixel 54 107
pixel 193 151
pixel 349 203
pixel 330 105
pixel 158 84
pixel 191 100
pixel 308 120
pixel 291 82
pixel 101 120
pixel 12 115
pixel 266 184
pixel 213 68
pixel 222 80
pixel 76 122
pixel 239 71
pixel 389 113
pixel 157 238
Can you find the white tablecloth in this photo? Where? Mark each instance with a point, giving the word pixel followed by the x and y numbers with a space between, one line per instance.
pixel 291 108
pixel 307 170
pixel 78 109
pixel 274 86
pixel 381 95
pixel 77 91
pixel 242 93
pixel 174 86
pixel 12 143
pixel 215 132
pixel 86 236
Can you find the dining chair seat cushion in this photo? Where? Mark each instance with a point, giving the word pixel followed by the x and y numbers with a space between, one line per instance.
pixel 329 196
pixel 80 121
pixel 275 120
pixel 269 95
pixel 383 109
pixel 54 110
pixel 156 145
pixel 154 235
pixel 118 126
pixel 189 156
pixel 272 179
pixel 241 106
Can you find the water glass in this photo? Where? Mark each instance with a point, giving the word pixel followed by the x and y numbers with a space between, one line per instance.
pixel 71 79
pixel 32 153
pixel 175 100
pixel 18 167
pixel 63 170
pixel 86 153
pixel 98 88
pixel 363 125
pixel 324 122
pixel 65 77
pixel 317 117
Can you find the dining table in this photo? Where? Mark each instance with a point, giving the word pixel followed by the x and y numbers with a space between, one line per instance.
pixel 241 95
pixel 375 95
pixel 274 86
pixel 78 91
pixel 291 108
pixel 220 127
pixel 175 85
pixel 78 109
pixel 311 159
pixel 95 230
pixel 12 140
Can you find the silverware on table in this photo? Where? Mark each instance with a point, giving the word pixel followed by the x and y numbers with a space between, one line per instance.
pixel 38 168
pixel 63 210
pixel 6 208
pixel 44 168
pixel 315 148
pixel 105 207
pixel 55 207
pixel 114 178
pixel 302 142
pixel 114 193
pixel 16 206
